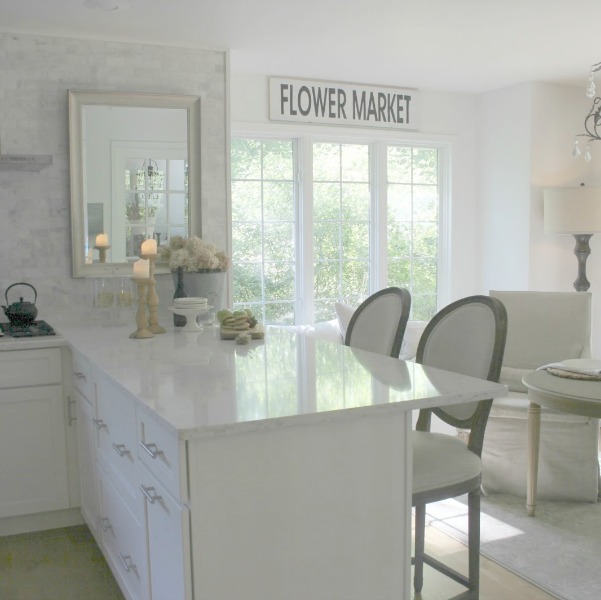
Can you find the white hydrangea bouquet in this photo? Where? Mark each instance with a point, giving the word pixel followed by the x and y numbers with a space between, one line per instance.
pixel 193 255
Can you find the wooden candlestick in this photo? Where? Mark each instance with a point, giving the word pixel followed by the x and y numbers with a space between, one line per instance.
pixel 142 331
pixel 152 297
pixel 102 253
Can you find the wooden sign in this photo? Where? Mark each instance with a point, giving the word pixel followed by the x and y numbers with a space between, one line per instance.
pixel 306 101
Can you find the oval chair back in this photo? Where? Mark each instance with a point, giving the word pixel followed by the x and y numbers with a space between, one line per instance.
pixel 378 325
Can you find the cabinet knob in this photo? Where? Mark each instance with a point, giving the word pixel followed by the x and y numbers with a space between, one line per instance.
pixel 152 449
pixel 79 375
pixel 151 494
pixel 100 424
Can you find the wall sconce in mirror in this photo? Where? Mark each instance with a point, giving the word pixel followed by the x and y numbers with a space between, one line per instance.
pixel 575 211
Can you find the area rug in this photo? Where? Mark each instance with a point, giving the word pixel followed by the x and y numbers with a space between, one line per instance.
pixel 558 550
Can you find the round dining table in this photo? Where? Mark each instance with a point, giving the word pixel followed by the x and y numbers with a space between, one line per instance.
pixel 560 393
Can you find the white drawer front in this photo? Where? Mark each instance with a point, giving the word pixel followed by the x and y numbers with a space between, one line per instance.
pixel 24 368
pixel 82 376
pixel 116 425
pixel 124 539
pixel 159 450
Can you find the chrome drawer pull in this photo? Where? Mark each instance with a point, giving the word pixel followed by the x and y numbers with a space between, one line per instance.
pixel 127 562
pixel 152 449
pixel 70 417
pixel 105 524
pixel 121 449
pixel 151 494
pixel 99 423
pixel 79 375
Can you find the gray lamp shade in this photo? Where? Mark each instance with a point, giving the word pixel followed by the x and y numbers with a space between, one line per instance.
pixel 573 210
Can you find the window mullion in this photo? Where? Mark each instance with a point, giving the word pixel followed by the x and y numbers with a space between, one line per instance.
pixel 304 230
pixel 379 220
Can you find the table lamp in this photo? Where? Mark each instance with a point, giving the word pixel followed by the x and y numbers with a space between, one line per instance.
pixel 576 211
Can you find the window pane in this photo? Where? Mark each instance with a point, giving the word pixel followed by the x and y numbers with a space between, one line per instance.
pixel 326 201
pixel 399 273
pixel 355 240
pixel 277 160
pixel 246 242
pixel 425 240
pixel 425 203
pixel 246 159
pixel 399 239
pixel 355 281
pixel 246 201
pixel 355 162
pixel 279 281
pixel 326 162
pixel 326 237
pixel 278 201
pixel 355 201
pixel 281 313
pixel 247 282
pixel 424 276
pixel 278 242
pixel 425 165
pixel 399 164
pixel 327 275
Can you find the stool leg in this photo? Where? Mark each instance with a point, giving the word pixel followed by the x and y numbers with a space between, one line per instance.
pixel 420 533
pixel 533 451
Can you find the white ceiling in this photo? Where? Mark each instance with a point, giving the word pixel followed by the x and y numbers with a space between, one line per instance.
pixel 445 45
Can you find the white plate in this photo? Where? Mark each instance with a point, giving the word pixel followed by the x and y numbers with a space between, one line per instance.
pixel 190 300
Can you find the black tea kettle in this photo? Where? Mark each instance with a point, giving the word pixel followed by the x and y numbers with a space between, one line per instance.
pixel 21 313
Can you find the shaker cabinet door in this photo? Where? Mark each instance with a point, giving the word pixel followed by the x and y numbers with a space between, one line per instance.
pixel 33 456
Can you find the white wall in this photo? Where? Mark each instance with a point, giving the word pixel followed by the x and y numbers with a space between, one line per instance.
pixel 35 74
pixel 503 174
pixel 449 118
pixel 526 134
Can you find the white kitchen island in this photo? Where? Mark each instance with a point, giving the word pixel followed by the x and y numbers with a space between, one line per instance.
pixel 280 470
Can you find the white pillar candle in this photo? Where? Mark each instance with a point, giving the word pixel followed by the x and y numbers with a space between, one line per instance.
pixel 148 247
pixel 102 240
pixel 142 269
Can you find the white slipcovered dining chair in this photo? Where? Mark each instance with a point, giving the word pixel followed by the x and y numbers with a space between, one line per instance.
pixel 379 323
pixel 544 327
pixel 467 337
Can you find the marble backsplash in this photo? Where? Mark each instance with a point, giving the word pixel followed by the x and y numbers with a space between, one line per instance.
pixel 35 228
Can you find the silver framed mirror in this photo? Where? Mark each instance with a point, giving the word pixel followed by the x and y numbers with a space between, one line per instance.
pixel 135 175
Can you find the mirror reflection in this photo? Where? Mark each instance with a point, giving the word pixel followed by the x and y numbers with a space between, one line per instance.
pixel 132 177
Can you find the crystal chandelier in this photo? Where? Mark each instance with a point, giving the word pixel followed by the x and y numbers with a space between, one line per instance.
pixel 592 121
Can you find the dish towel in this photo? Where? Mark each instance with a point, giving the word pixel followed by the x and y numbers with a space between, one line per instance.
pixel 575 368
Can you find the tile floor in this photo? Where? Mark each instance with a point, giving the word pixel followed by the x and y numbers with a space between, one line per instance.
pixel 66 564
pixel 57 564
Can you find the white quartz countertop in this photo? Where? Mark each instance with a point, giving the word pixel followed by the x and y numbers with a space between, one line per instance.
pixel 198 384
